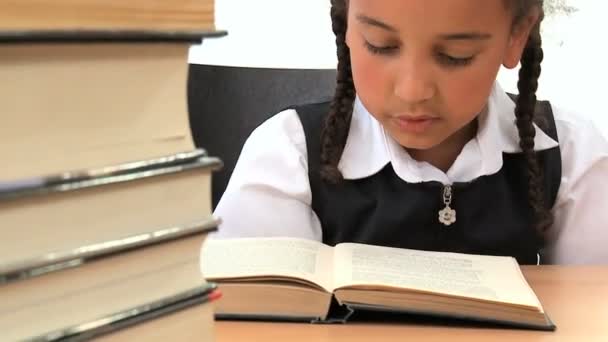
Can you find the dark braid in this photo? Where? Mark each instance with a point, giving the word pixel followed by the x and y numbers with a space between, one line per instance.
pixel 337 123
pixel 524 113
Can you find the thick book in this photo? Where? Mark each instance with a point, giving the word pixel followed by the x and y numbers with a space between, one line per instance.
pixel 154 321
pixel 69 106
pixel 142 277
pixel 298 280
pixel 184 15
pixel 54 216
pixel 188 323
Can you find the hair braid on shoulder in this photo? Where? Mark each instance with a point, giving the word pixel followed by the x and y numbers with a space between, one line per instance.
pixel 337 122
pixel 524 113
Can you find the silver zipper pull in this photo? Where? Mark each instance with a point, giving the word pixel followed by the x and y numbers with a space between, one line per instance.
pixel 447 215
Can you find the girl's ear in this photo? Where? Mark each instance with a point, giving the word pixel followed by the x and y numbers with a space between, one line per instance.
pixel 348 37
pixel 519 38
pixel 349 33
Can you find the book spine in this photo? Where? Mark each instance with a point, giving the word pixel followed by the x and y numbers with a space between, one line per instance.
pixel 337 313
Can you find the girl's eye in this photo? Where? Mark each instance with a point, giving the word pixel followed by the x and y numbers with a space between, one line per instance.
pixel 380 50
pixel 454 61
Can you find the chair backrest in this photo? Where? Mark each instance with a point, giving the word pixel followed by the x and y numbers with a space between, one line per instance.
pixel 227 103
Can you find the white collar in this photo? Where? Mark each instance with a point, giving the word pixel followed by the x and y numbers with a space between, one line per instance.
pixel 369 148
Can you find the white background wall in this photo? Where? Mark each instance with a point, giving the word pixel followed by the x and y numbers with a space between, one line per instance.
pixel 297 34
pixel 271 33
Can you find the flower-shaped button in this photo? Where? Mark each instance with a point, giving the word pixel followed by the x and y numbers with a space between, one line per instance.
pixel 447 216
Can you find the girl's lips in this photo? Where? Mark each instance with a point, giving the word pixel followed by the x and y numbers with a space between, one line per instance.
pixel 415 124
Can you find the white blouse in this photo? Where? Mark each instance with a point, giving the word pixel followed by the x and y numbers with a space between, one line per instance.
pixel 269 193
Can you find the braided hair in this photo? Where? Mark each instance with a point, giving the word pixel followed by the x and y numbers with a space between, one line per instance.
pixel 337 122
pixel 524 113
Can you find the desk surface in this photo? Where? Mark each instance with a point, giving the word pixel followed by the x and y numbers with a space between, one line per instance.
pixel 574 297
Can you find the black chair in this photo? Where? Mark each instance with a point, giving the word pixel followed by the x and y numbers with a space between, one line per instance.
pixel 227 103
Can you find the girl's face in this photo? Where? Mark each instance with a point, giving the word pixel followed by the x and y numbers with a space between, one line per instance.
pixel 425 68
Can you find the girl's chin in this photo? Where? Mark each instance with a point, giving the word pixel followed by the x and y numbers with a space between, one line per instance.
pixel 418 144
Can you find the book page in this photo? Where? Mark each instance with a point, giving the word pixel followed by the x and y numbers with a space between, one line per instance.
pixel 483 277
pixel 278 257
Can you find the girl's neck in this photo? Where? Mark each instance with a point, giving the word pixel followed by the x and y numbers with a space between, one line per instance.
pixel 444 155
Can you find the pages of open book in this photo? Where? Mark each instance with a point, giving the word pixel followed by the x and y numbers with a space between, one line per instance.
pixel 489 278
pixel 268 257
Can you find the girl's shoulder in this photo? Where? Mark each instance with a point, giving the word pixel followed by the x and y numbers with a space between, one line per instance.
pixel 575 130
pixel 571 121
pixel 282 131
pixel 583 145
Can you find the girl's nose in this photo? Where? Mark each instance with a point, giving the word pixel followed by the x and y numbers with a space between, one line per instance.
pixel 414 83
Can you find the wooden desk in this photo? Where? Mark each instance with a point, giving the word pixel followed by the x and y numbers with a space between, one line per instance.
pixel 574 297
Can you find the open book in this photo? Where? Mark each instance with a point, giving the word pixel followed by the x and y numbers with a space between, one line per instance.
pixel 294 279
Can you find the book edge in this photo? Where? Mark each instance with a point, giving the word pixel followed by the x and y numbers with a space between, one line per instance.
pixel 107 36
pixel 103 325
pixel 125 172
pixel 59 261
pixel 549 326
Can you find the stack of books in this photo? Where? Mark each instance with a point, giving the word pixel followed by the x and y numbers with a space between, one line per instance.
pixel 104 199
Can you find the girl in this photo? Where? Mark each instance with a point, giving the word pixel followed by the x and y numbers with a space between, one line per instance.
pixel 421 148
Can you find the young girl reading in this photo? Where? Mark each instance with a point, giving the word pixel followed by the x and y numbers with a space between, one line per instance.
pixel 421 148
